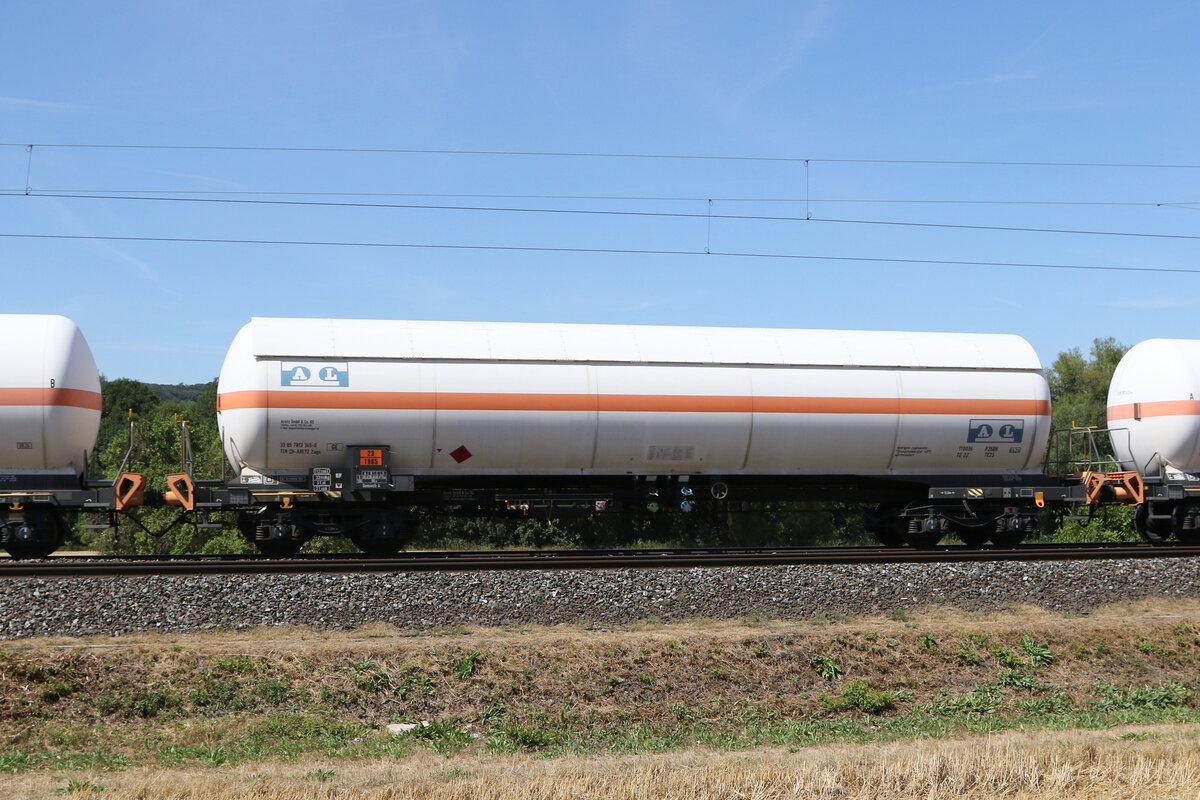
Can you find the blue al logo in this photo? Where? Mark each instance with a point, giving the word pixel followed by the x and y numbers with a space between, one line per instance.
pixel 998 431
pixel 320 373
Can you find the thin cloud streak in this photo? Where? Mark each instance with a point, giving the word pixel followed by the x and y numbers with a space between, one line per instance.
pixel 43 105
pixel 1152 303
pixel 77 224
pixel 810 31
pixel 995 79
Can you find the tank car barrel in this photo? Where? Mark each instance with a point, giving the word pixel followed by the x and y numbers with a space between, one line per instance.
pixel 50 408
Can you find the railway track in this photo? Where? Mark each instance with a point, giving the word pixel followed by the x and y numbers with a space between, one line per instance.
pixel 68 566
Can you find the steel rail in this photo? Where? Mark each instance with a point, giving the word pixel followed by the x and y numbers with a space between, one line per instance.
pixel 472 561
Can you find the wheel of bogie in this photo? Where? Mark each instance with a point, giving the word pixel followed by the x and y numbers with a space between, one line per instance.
pixel 379 538
pixel 279 548
pixel 1185 523
pixel 887 528
pixel 923 533
pixel 972 535
pixel 246 525
pixel 888 534
pixel 888 537
pixel 1151 530
pixel 1008 538
pixel 378 547
pixel 923 540
pixel 40 533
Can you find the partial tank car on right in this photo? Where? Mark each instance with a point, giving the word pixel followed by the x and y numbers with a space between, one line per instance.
pixel 1154 425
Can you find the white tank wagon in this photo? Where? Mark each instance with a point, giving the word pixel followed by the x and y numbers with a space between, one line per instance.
pixel 318 410
pixel 49 396
pixel 1154 425
pixel 49 417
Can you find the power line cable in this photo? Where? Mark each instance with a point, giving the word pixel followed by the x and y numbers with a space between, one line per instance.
pixel 616 213
pixel 567 154
pixel 639 198
pixel 599 250
pixel 1013 229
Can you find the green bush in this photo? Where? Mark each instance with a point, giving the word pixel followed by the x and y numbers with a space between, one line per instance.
pixel 147 703
pixel 1169 695
pixel 512 738
pixel 54 688
pixel 859 696
pixel 219 693
pixel 465 666
pixel 1005 657
pixel 273 691
pixel 442 737
pixel 828 666
pixel 1039 654
pixel 983 700
pixel 1055 703
pixel 234 663
pixel 1017 680
pixel 107 703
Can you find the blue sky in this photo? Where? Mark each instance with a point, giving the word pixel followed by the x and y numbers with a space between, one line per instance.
pixel 847 85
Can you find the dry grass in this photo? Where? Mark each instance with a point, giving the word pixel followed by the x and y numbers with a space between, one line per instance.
pixel 380 636
pixel 690 662
pixel 1161 762
pixel 648 674
pixel 739 677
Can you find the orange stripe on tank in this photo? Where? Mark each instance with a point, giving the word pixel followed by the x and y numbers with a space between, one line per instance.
pixel 76 398
pixel 514 401
pixel 1156 408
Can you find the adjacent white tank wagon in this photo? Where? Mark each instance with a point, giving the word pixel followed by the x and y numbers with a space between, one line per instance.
pixel 1153 407
pixel 49 396
pixel 1154 424
pixel 49 416
pixel 365 405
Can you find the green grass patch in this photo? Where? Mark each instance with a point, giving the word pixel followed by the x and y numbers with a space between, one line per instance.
pixel 464 667
pixel 287 737
pixel 859 696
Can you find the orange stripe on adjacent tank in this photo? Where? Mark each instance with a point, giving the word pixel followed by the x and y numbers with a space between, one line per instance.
pixel 1157 408
pixel 77 398
pixel 512 401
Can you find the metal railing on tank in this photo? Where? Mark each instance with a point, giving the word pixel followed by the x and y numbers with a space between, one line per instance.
pixel 1079 449
pixel 1086 454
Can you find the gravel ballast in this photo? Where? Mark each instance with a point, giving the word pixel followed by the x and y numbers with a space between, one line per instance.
pixel 114 606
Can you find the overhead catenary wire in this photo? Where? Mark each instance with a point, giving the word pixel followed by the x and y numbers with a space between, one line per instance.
pixel 607 197
pixel 570 154
pixel 243 197
pixel 598 250
pixel 614 213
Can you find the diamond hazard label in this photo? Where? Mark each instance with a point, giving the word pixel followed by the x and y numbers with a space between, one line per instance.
pixel 460 453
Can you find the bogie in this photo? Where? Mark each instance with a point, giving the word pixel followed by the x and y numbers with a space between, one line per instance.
pixel 1156 522
pixel 273 536
pixel 33 534
pixel 924 532
pixel 925 527
pixel 283 533
pixel 382 537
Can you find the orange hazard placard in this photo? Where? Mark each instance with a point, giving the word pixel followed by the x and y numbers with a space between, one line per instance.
pixel 370 458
